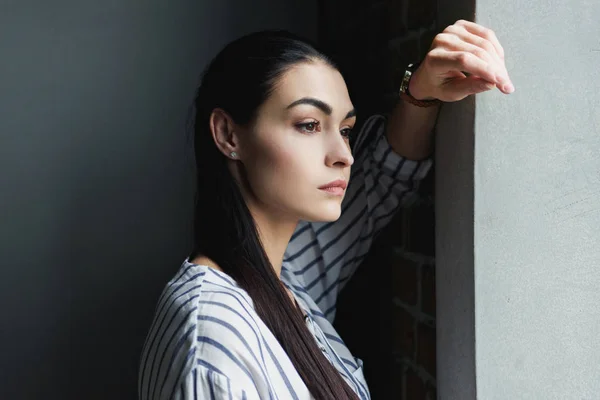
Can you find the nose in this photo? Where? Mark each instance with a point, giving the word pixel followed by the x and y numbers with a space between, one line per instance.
pixel 339 154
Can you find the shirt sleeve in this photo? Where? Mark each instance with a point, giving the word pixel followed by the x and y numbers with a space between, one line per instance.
pixel 203 383
pixel 323 256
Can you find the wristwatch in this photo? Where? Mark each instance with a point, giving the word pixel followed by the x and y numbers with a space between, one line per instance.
pixel 405 93
pixel 406 78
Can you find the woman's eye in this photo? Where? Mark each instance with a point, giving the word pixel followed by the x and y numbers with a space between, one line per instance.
pixel 346 132
pixel 309 127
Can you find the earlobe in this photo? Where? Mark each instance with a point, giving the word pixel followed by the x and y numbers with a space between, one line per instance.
pixel 222 129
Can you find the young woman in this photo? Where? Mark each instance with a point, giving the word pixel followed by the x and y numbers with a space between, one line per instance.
pixel 281 223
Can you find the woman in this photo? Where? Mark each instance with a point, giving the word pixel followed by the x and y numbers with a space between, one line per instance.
pixel 248 316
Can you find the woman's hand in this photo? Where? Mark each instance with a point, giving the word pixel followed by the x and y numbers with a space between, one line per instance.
pixel 466 58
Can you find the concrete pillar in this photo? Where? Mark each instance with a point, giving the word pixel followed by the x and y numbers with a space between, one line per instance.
pixel 518 212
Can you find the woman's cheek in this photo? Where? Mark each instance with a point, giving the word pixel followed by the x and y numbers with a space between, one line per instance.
pixel 274 169
pixel 299 165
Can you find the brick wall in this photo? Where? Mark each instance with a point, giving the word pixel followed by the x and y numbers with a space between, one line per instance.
pixel 413 288
pixel 372 41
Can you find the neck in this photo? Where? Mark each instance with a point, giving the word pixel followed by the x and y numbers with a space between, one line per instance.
pixel 275 232
pixel 274 228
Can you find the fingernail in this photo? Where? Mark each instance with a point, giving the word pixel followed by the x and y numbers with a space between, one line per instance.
pixel 509 88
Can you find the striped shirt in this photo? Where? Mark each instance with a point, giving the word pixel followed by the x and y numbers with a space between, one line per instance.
pixel 206 340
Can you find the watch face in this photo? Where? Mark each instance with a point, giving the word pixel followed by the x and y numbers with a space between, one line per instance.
pixel 405 81
pixel 401 79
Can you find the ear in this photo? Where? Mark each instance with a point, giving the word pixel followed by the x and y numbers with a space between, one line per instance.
pixel 223 130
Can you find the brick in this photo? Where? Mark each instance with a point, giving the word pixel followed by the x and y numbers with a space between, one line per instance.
pixel 403 329
pixel 426 348
pixel 418 229
pixel 421 13
pixel 415 387
pixel 428 290
pixel 431 392
pixel 396 18
pixel 402 51
pixel 405 281
pixel 358 28
pixel 398 376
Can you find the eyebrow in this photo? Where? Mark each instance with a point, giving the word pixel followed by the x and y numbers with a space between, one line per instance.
pixel 321 105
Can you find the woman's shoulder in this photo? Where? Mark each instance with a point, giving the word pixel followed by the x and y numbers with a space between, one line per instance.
pixel 196 297
pixel 199 307
pixel 206 290
pixel 202 319
pixel 229 335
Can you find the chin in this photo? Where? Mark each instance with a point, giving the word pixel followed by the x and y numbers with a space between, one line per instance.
pixel 328 213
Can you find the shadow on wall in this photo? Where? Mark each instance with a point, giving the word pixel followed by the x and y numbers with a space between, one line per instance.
pixel 99 190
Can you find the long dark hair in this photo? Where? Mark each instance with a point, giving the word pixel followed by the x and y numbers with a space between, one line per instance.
pixel 238 80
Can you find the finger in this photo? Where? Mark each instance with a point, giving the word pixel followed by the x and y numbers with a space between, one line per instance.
pixel 451 41
pixel 463 41
pixel 458 89
pixel 473 39
pixel 483 32
pixel 444 60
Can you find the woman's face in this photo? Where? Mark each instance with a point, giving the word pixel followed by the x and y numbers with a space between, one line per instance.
pixel 298 146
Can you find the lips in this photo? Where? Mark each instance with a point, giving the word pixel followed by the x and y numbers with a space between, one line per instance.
pixel 337 187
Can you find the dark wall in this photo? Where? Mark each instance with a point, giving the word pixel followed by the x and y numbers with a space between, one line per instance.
pixel 96 184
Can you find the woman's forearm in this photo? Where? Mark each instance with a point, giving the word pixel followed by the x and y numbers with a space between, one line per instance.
pixel 410 130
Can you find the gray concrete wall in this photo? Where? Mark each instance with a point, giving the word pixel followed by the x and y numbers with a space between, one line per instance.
pixel 96 182
pixel 518 202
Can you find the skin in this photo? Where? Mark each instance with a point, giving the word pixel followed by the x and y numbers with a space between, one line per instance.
pixel 280 165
